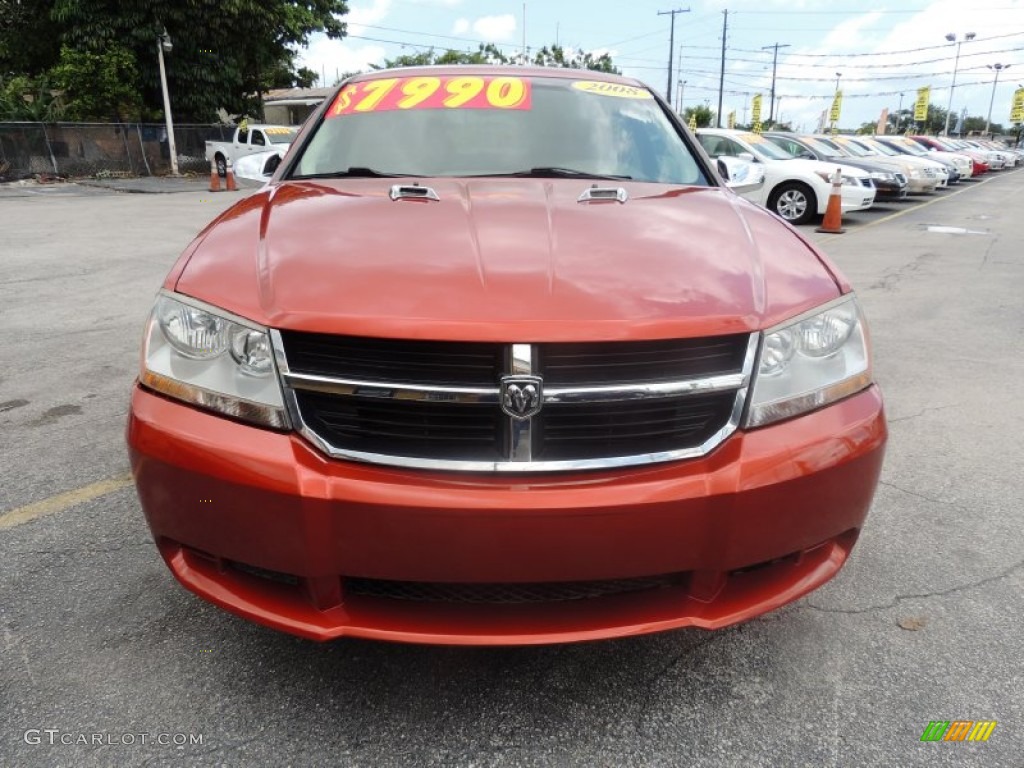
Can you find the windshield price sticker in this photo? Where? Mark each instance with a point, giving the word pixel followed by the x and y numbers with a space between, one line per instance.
pixel 398 93
pixel 612 89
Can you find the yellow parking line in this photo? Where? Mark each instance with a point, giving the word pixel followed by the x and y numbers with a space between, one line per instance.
pixel 62 501
pixel 918 207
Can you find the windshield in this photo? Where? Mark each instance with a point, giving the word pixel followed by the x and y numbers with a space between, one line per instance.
pixel 854 148
pixel 763 148
pixel 836 149
pixel 469 125
pixel 822 148
pixel 909 146
pixel 281 135
pixel 880 148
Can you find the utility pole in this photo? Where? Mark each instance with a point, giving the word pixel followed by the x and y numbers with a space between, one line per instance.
pixel 721 75
pixel 671 48
pixel 775 64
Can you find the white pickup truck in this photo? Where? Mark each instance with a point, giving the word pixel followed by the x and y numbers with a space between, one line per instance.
pixel 250 139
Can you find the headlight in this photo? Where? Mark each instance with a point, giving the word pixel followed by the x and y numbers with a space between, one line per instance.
pixel 210 358
pixel 810 362
pixel 882 176
pixel 847 181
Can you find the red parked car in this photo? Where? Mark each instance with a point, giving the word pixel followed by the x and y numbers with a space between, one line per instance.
pixel 978 164
pixel 497 358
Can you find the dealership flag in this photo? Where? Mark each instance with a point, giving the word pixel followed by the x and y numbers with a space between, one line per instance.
pixel 921 105
pixel 883 121
pixel 1017 111
pixel 837 107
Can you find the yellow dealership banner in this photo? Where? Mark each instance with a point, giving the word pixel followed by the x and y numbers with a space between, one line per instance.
pixel 1017 110
pixel 921 105
pixel 755 116
pixel 693 122
pixel 837 107
pixel 732 119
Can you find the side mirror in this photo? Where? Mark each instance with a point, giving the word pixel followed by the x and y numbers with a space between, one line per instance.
pixel 807 155
pixel 747 156
pixel 741 176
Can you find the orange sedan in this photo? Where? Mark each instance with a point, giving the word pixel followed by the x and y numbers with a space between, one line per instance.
pixel 497 357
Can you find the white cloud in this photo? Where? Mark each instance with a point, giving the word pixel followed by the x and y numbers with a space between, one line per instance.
pixel 330 58
pixel 460 27
pixel 495 28
pixel 359 16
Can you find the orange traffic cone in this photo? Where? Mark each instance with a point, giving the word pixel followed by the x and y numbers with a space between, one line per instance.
pixel 214 176
pixel 231 186
pixel 833 223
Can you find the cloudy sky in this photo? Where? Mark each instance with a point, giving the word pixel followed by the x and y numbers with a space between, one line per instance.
pixel 892 48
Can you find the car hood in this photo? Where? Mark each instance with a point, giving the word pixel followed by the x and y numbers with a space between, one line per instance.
pixel 504 260
pixel 816 166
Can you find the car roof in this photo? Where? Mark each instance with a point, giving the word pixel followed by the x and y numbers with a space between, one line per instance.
pixel 492 70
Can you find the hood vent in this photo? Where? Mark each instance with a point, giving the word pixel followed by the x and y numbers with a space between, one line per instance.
pixel 413 192
pixel 597 194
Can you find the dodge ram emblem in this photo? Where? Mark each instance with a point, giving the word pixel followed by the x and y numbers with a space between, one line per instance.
pixel 521 396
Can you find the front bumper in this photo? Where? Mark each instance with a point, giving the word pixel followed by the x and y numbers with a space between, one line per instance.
pixel 889 190
pixel 266 527
pixel 855 198
pixel 922 186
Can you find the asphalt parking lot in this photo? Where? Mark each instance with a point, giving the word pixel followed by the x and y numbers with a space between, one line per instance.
pixel 924 623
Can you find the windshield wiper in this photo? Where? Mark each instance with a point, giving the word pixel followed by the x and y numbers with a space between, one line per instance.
pixel 554 171
pixel 357 172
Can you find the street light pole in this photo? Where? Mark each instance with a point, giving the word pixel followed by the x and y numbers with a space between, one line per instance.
pixel 163 43
pixel 899 115
pixel 998 68
pixel 956 63
pixel 682 91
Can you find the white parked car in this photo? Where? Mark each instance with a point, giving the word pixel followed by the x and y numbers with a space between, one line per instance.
pixel 962 163
pixel 997 160
pixel 933 169
pixel 794 188
pixel 918 182
pixel 259 166
pixel 250 139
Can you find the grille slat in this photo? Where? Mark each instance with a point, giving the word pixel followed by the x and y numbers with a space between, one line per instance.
pixel 434 429
pixel 623 362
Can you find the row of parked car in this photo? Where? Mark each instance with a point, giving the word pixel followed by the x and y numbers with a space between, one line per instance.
pixel 798 168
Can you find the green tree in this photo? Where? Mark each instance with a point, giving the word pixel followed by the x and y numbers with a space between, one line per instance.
pixel 485 54
pixel 25 98
pixel 100 85
pixel 555 56
pixel 548 56
pixel 226 52
pixel 29 38
pixel 704 114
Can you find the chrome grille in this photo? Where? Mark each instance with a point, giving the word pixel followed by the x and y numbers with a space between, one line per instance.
pixel 443 405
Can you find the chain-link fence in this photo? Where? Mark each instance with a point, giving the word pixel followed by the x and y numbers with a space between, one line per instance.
pixel 91 149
